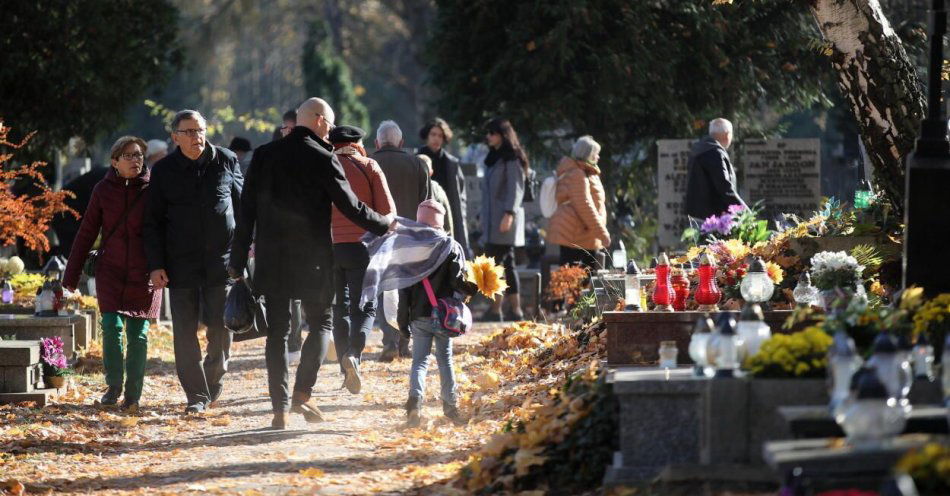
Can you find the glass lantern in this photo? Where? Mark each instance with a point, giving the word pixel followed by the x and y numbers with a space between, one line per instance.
pixel 905 353
pixel 707 292
pixel 891 366
pixel 871 414
pixel 804 293
pixel 757 286
pixel 698 343
pixel 7 293
pixel 724 347
pixel 663 290
pixel 923 358
pixel 752 330
pixel 843 362
pixel 945 365
pixel 631 288
pixel 668 354
pixel 680 283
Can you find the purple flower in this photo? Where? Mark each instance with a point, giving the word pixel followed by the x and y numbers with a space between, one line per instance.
pixel 722 224
pixel 53 353
pixel 736 209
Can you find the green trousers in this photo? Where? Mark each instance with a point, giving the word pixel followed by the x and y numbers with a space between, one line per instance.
pixel 133 365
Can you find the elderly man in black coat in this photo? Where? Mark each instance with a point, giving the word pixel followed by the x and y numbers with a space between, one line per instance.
pixel 291 185
pixel 711 180
pixel 189 222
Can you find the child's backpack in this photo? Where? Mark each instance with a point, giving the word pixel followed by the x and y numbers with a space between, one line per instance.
pixel 453 317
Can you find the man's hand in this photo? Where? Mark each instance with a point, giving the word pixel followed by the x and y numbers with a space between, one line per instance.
pixel 506 221
pixel 159 278
pixel 392 222
pixel 235 274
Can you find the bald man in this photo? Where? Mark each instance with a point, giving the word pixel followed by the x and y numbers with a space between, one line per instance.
pixel 290 187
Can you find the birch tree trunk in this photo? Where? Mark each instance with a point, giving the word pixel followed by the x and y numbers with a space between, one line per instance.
pixel 879 81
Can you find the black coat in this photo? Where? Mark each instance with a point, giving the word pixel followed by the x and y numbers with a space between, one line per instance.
pixel 291 185
pixel 711 180
pixel 190 216
pixel 446 280
pixel 448 173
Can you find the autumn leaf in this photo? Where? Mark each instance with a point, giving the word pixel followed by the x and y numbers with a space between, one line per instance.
pixel 129 422
pixel 14 488
pixel 527 458
pixel 221 421
pixel 487 276
pixel 312 472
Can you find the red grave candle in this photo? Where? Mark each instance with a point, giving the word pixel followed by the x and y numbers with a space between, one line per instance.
pixel 663 294
pixel 707 293
pixel 680 284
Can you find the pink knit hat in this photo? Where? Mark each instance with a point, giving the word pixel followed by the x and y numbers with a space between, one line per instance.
pixel 432 213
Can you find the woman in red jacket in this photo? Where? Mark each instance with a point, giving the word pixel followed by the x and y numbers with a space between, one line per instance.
pixel 126 299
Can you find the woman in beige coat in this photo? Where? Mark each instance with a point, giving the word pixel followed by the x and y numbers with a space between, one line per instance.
pixel 579 225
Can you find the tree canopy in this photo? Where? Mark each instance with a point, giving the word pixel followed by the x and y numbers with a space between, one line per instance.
pixel 327 75
pixel 72 68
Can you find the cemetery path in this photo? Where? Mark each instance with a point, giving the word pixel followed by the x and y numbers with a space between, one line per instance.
pixel 75 446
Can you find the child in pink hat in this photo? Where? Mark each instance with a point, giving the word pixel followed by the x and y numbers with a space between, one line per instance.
pixel 432 213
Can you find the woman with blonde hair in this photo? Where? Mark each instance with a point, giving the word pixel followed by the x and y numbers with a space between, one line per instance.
pixel 579 225
pixel 126 298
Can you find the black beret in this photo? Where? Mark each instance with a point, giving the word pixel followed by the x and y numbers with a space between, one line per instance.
pixel 346 134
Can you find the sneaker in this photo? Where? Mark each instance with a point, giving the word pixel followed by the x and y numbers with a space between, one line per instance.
pixel 389 354
pixel 452 413
pixel 302 404
pixel 195 408
pixel 112 396
pixel 351 371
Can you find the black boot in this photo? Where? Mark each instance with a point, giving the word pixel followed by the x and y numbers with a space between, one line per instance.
pixel 112 395
pixel 413 412
pixel 452 413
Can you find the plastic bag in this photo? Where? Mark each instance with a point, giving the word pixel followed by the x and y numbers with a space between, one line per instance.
pixel 239 308
pixel 391 308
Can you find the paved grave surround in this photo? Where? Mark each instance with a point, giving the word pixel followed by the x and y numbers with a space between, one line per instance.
pixel 32 327
pixel 673 419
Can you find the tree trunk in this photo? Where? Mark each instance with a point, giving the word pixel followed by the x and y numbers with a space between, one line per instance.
pixel 879 81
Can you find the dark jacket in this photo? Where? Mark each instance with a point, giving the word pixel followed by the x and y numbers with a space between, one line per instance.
pixel 710 181
pixel 407 177
pixel 190 216
pixel 291 185
pixel 446 280
pixel 448 173
pixel 122 282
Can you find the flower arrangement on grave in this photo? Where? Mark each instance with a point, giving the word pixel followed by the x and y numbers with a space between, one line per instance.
pixel 932 319
pixel 929 466
pixel 54 359
pixel 831 270
pixel 487 275
pixel 10 267
pixel 798 355
pixel 25 284
pixel 732 257
pixel 737 222
pixel 566 284
pixel 863 321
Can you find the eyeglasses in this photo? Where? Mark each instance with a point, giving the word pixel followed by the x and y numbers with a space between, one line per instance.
pixel 132 156
pixel 192 133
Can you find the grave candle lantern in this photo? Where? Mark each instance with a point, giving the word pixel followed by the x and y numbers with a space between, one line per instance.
pixel 707 293
pixel 680 285
pixel 663 291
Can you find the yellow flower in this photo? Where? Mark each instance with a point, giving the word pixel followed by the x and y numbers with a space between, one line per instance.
pixel 737 249
pixel 487 275
pixel 912 298
pixel 877 288
pixel 694 252
pixel 775 272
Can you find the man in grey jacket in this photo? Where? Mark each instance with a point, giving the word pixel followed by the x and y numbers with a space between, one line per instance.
pixel 408 180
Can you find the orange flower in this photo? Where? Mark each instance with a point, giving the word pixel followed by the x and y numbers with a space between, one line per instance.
pixel 775 272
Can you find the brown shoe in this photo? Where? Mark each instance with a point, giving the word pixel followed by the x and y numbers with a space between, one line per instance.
pixel 280 421
pixel 301 403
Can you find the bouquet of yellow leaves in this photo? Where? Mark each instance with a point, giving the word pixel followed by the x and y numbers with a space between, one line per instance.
pixel 487 275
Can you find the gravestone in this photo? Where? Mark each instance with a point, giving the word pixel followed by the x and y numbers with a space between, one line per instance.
pixel 32 327
pixel 20 368
pixel 784 173
pixel 672 155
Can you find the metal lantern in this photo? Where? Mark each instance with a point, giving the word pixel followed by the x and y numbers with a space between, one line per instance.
pixel 871 414
pixel 631 287
pixel 843 362
pixel 752 330
pixel 757 286
pixel 698 343
pixel 923 358
pixel 54 268
pixel 804 293
pixel 724 345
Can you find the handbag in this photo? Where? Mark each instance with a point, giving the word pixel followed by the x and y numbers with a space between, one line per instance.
pixel 452 317
pixel 89 268
pixel 530 186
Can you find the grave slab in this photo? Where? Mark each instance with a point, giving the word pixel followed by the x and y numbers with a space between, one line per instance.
pixel 41 397
pixel 32 327
pixel 19 352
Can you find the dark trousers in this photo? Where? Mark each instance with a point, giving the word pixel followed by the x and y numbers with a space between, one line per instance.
pixel 318 315
pixel 351 321
pixel 199 379
pixel 592 260
pixel 505 255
